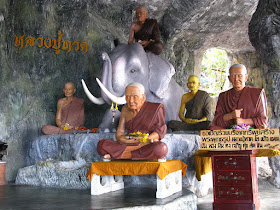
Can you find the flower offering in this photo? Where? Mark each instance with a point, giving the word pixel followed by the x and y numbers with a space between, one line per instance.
pixel 243 126
pixel 138 133
pixel 66 127
pixel 93 130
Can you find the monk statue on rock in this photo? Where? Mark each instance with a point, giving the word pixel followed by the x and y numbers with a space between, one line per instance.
pixel 69 115
pixel 195 109
pixel 241 105
pixel 138 116
pixel 146 32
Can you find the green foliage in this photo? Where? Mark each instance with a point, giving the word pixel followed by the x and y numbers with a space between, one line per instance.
pixel 213 74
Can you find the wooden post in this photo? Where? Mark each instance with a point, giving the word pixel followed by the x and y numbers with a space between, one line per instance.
pixel 2 173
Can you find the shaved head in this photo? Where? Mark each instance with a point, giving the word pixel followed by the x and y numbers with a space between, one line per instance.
pixel 244 70
pixel 142 8
pixel 141 14
pixel 193 77
pixel 69 89
pixel 139 85
pixel 238 76
pixel 70 84
pixel 193 83
pixel 134 96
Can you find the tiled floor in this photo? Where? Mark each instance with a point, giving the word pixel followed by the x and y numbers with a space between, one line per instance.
pixel 28 197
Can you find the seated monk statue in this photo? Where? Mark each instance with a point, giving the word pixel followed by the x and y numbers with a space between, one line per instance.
pixel 241 104
pixel 146 32
pixel 69 115
pixel 195 109
pixel 137 115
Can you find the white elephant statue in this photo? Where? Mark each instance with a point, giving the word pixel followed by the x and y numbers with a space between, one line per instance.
pixel 130 63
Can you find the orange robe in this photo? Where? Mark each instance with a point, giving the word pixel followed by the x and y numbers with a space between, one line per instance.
pixel 151 118
pixel 73 114
pixel 251 100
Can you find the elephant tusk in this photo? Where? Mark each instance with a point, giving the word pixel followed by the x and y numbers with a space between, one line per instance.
pixel 112 97
pixel 93 99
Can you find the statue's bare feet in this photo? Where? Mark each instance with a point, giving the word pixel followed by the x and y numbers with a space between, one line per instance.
pixel 107 158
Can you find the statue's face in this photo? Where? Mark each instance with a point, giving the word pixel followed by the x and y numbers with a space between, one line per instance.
pixel 134 98
pixel 69 89
pixel 193 83
pixel 141 14
pixel 237 77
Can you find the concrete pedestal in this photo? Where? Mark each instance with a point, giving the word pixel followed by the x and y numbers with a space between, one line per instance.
pixel 171 184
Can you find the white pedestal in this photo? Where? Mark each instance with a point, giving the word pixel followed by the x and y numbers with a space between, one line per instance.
pixel 105 184
pixel 171 184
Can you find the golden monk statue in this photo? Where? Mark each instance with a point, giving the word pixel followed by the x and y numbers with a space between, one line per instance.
pixel 241 104
pixel 142 116
pixel 69 115
pixel 146 32
pixel 195 109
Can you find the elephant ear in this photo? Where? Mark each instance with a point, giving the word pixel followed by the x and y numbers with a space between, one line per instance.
pixel 161 72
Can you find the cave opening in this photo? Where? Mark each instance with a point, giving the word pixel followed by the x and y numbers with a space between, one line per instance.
pixel 215 65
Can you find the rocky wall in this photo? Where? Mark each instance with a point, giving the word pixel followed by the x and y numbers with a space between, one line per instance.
pixel 32 75
pixel 264 35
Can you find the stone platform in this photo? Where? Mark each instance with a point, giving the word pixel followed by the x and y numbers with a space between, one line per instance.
pixel 63 160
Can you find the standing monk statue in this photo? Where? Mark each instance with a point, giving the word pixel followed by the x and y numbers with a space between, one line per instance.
pixel 69 115
pixel 142 116
pixel 241 104
pixel 146 32
pixel 195 110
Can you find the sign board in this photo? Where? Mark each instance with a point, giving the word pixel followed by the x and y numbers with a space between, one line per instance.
pixel 239 139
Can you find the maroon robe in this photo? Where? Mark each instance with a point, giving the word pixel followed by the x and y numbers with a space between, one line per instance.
pixel 151 118
pixel 73 114
pixel 251 100
pixel 150 30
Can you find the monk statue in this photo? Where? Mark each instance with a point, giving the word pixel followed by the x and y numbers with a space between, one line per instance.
pixel 241 104
pixel 146 32
pixel 195 109
pixel 137 115
pixel 69 115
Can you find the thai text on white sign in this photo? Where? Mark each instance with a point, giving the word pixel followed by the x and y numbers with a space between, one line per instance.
pixel 239 139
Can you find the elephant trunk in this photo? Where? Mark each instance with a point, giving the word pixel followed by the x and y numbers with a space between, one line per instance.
pixel 107 78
